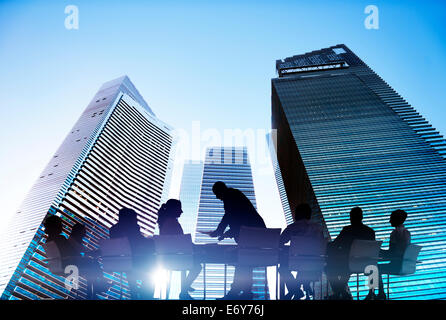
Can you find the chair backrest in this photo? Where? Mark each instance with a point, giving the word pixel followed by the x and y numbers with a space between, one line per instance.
pixel 306 256
pixel 54 258
pixel 258 247
pixel 174 252
pixel 410 257
pixel 259 238
pixel 362 254
pixel 173 244
pixel 307 246
pixel 116 255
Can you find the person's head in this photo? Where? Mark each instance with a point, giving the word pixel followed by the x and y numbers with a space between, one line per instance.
pixel 356 215
pixel 219 189
pixel 127 216
pixel 173 207
pixel 170 209
pixel 303 211
pixel 397 218
pixel 78 232
pixel 53 226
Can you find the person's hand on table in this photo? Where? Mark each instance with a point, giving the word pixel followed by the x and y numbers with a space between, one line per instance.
pixel 227 234
pixel 215 234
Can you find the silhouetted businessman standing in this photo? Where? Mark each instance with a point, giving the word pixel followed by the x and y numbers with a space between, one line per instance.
pixel 338 251
pixel 239 211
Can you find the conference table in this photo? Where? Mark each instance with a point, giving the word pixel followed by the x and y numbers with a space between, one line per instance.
pixel 215 253
pixel 226 254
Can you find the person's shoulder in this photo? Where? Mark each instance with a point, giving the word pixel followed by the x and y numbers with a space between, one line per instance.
pixel 370 231
pixel 60 237
pixel 315 226
pixel 113 229
pixel 233 191
pixel 289 227
pixel 406 232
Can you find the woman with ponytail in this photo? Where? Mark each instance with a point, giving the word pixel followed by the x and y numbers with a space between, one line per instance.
pixel 168 224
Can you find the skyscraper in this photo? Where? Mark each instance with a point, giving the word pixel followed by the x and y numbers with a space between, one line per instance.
pixel 230 165
pixel 118 154
pixel 270 139
pixel 190 195
pixel 345 138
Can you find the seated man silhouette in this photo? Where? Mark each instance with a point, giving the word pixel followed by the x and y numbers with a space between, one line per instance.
pixel 168 224
pixel 399 240
pixel 239 211
pixel 303 227
pixel 338 251
pixel 71 255
pixel 89 257
pixel 142 252
pixel 53 229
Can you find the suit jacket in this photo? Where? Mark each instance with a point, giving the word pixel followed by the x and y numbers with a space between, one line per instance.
pixel 239 211
pixel 349 233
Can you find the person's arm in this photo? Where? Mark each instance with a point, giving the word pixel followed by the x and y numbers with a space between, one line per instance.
pixel 172 226
pixel 339 239
pixel 221 226
pixel 392 243
pixel 387 254
pixel 284 237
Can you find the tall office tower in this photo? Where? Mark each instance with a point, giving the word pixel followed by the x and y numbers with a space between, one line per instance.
pixel 230 165
pixel 271 141
pixel 118 154
pixel 345 138
pixel 190 195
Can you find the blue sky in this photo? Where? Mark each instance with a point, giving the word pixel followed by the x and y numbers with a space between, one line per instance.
pixel 207 61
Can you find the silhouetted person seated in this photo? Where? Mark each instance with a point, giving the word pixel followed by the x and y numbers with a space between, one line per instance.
pixel 89 258
pixel 338 251
pixel 399 240
pixel 53 229
pixel 72 255
pixel 302 227
pixel 168 225
pixel 78 232
pixel 239 211
pixel 142 253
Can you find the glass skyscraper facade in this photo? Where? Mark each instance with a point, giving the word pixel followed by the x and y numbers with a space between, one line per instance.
pixel 345 138
pixel 270 140
pixel 230 165
pixel 118 154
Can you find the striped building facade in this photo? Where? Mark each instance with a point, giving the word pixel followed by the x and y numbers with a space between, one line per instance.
pixel 118 154
pixel 345 138
pixel 230 165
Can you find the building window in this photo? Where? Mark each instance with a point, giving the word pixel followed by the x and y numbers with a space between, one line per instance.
pixel 339 50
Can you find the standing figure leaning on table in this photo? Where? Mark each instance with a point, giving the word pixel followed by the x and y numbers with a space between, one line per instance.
pixel 239 211
pixel 168 224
